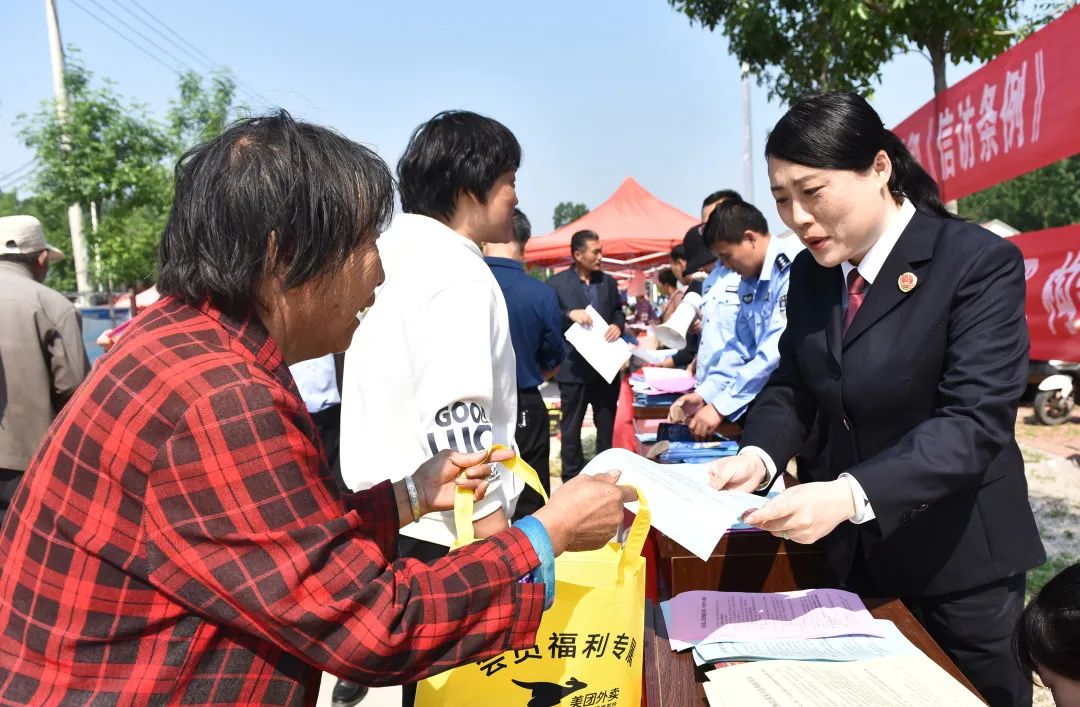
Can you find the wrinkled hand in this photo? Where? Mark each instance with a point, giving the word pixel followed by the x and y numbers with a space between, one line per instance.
pixel 742 472
pixel 585 512
pixel 613 332
pixel 807 512
pixel 438 479
pixel 705 422
pixel 695 326
pixel 580 316
pixel 687 404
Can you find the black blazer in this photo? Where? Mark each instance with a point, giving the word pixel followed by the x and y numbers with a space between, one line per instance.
pixel 571 294
pixel 918 402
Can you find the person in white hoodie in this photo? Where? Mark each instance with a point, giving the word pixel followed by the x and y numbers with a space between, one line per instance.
pixel 438 369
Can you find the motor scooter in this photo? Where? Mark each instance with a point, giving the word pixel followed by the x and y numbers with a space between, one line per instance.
pixel 1056 396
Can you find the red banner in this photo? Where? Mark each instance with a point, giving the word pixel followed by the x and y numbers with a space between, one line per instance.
pixel 1017 113
pixel 1052 269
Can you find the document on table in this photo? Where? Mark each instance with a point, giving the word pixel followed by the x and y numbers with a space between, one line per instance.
pixel 684 507
pixel 838 649
pixel 607 357
pixel 653 355
pixel 895 681
pixel 711 617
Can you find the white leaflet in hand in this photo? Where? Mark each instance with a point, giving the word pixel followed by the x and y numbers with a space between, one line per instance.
pixel 684 507
pixel 607 357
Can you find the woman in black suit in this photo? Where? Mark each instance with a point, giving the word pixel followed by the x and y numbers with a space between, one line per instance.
pixel 906 341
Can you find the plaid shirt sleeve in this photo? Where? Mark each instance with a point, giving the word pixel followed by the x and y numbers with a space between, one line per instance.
pixel 241 528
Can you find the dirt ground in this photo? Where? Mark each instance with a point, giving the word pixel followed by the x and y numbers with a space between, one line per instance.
pixel 1052 461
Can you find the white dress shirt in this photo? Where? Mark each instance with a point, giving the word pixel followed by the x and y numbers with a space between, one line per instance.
pixel 869 267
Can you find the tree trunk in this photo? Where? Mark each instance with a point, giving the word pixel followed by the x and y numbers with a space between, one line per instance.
pixel 938 60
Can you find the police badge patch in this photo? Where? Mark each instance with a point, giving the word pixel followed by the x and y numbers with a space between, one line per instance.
pixel 747 298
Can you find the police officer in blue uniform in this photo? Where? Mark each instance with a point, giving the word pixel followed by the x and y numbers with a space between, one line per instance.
pixel 739 235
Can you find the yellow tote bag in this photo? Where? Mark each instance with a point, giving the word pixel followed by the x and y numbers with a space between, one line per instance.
pixel 588 650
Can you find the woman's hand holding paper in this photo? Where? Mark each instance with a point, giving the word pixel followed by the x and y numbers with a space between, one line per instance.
pixel 742 472
pixel 807 512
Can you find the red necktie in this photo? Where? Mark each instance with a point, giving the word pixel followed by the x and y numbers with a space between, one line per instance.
pixel 856 289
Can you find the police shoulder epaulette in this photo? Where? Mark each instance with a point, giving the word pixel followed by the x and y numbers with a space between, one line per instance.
pixel 782 262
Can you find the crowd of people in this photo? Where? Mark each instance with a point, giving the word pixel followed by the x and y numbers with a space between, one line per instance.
pixel 255 483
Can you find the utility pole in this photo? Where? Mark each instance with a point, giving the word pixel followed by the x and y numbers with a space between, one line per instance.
pixel 747 138
pixel 75 214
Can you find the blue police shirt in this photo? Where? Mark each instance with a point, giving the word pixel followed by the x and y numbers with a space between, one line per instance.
pixel 533 310
pixel 745 363
pixel 719 307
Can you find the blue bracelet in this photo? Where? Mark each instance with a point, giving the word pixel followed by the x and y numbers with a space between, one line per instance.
pixel 537 534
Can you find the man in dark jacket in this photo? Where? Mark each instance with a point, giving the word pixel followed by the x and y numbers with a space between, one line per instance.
pixel 580 385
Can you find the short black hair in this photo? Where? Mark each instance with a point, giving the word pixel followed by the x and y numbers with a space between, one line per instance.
pixel 666 277
pixel 1048 632
pixel 721 195
pixel 522 228
pixel 455 151
pixel 269 194
pixel 678 252
pixel 579 239
pixel 730 221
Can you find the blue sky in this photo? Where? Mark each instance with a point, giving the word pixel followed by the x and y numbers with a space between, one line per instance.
pixel 595 90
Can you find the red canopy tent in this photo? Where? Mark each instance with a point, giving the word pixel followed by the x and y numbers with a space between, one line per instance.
pixel 635 229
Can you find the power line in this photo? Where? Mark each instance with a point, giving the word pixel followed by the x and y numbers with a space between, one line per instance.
pixel 125 37
pixel 21 168
pixel 186 46
pixel 173 32
pixel 146 39
pixel 18 181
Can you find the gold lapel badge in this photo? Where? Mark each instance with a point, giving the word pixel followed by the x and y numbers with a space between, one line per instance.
pixel 907 282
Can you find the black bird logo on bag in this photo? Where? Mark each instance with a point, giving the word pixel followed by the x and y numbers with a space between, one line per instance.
pixel 550 694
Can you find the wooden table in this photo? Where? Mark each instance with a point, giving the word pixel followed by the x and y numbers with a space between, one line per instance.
pixel 672 679
pixel 751 561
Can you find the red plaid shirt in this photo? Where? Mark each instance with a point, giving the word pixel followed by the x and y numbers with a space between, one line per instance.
pixel 178 539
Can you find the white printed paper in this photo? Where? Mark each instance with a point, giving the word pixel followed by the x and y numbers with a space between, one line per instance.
pixel 683 505
pixel 607 357
pixel 895 681
pixel 836 649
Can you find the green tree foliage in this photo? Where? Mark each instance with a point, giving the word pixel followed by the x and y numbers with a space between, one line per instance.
pixel 112 154
pixel 201 112
pixel 566 211
pixel 797 47
pixel 1045 198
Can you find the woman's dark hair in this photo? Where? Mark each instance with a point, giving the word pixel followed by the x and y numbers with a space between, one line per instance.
pixel 730 221
pixel 319 194
pixel 666 277
pixel 579 240
pixel 1048 633
pixel 839 130
pixel 453 152
pixel 678 252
